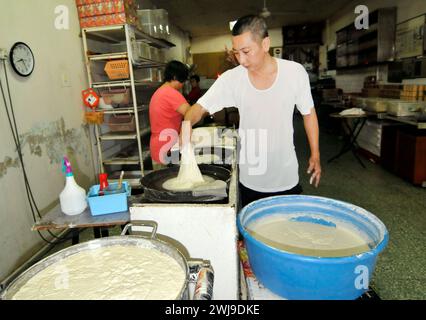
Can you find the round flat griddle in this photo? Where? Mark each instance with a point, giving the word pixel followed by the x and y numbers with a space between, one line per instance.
pixel 154 191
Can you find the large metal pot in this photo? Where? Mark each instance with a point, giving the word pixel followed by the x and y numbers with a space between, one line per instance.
pixel 123 240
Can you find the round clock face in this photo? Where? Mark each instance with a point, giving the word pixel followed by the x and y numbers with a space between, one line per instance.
pixel 22 59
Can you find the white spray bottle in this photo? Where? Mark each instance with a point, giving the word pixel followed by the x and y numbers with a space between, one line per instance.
pixel 73 197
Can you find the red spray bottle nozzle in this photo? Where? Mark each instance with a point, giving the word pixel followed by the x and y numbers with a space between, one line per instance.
pixel 103 182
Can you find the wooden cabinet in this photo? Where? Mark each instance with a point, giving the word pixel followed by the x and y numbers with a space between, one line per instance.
pixel 309 33
pixel 370 46
pixel 388 148
pixel 410 38
pixel 410 68
pixel 411 156
pixel 403 152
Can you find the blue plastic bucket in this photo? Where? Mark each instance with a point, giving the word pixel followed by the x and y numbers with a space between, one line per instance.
pixel 301 277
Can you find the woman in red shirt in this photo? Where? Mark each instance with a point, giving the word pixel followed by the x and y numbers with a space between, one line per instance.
pixel 166 111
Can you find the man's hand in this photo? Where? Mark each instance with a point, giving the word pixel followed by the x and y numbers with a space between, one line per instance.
pixel 315 169
pixel 192 116
pixel 312 131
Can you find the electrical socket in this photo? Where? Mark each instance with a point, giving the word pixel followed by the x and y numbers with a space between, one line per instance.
pixel 65 80
pixel 3 54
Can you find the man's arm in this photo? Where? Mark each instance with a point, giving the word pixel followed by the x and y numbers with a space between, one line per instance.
pixel 194 114
pixel 311 127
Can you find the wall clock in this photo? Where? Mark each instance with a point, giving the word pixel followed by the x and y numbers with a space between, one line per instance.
pixel 22 59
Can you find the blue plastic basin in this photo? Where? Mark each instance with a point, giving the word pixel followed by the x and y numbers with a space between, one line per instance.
pixel 108 203
pixel 295 276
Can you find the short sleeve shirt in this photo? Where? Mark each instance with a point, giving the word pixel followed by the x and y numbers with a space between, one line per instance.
pixel 267 158
pixel 165 121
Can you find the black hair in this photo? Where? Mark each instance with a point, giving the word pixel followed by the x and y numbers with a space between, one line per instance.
pixel 176 70
pixel 255 24
pixel 195 77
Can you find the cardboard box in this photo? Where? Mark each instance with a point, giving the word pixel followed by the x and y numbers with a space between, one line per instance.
pixel 371 92
pixel 83 2
pixel 107 7
pixel 87 2
pixel 109 19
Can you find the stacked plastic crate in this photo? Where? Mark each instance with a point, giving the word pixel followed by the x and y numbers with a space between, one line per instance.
pixel 155 22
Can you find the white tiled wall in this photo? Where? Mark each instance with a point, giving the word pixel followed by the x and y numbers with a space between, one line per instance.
pixel 353 80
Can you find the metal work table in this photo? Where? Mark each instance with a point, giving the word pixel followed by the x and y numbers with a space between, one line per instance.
pixel 407 120
pixel 411 120
pixel 351 134
pixel 55 219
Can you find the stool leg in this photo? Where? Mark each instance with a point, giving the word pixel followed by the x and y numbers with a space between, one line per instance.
pixel 347 141
pixel 357 129
pixel 97 232
pixel 75 236
pixel 104 232
pixel 351 144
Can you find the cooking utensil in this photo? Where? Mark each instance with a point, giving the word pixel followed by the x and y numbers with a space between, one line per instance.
pixel 120 181
pixel 154 191
pixel 124 240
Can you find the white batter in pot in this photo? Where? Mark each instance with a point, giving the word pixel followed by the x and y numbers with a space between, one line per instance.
pixel 107 273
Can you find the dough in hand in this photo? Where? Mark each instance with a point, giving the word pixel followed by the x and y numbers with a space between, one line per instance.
pixel 189 174
pixel 207 158
pixel 189 171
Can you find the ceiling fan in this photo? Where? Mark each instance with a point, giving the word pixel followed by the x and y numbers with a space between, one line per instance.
pixel 265 13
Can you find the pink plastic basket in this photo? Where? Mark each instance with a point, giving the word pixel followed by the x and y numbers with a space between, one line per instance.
pixel 122 123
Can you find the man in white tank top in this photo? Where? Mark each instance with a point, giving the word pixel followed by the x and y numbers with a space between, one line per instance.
pixel 265 90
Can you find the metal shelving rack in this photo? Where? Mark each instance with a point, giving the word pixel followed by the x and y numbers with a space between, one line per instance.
pixel 113 35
